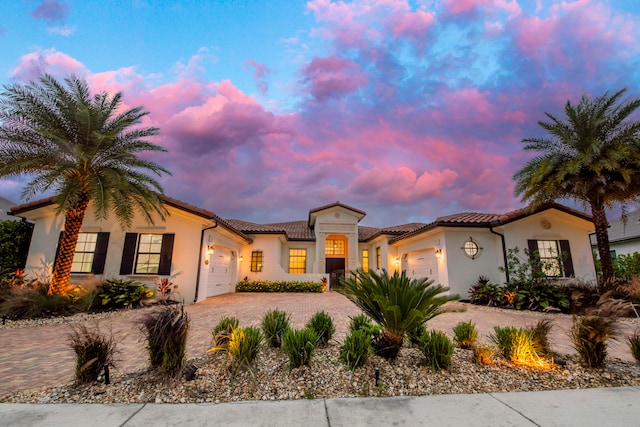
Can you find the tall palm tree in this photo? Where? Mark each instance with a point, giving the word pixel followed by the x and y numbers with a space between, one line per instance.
pixel 85 149
pixel 593 156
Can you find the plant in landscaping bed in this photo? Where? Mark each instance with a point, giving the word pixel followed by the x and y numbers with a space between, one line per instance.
pixel 465 334
pixel 165 287
pixel 542 296
pixel 122 293
pixel 415 334
pixel 323 326
pixel 92 352
pixel 486 294
pixel 31 300
pixel 166 332
pixel 356 349
pixel 243 347
pixel 540 335
pixel 518 346
pixel 364 322
pixel 397 303
pixel 483 354
pixel 221 333
pixel 437 349
pixel 298 345
pixel 274 325
pixel 634 345
pixel 279 286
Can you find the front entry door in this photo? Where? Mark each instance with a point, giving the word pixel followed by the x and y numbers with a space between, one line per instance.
pixel 335 268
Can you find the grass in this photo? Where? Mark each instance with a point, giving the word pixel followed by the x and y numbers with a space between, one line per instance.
pixel 274 325
pixel 92 352
pixel 166 331
pixel 437 349
pixel 465 334
pixel 322 325
pixel 298 345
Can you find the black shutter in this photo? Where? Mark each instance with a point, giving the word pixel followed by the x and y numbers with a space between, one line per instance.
pixel 535 260
pixel 165 254
pixel 128 253
pixel 565 251
pixel 100 254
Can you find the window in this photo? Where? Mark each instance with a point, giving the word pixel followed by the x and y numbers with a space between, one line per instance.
pixel 147 254
pixel 365 260
pixel 256 261
pixel 90 254
pixel 555 257
pixel 334 247
pixel 297 261
pixel 471 248
pixel 378 258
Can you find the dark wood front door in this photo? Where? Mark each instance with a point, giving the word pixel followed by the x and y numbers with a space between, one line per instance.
pixel 335 268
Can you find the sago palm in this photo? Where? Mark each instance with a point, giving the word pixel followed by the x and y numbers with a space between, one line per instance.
pixel 84 149
pixel 398 303
pixel 592 156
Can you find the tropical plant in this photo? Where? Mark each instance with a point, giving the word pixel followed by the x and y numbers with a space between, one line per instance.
pixel 92 352
pixel 483 354
pixel 398 303
pixel 165 287
pixel 517 345
pixel 298 345
pixel 627 266
pixel 540 336
pixel 465 334
pixel 243 347
pixel 15 237
pixel 356 349
pixel 437 349
pixel 634 345
pixel 122 293
pixel 415 334
pixel 32 300
pixel 221 333
pixel 593 156
pixel 274 324
pixel 85 148
pixel 166 331
pixel 322 324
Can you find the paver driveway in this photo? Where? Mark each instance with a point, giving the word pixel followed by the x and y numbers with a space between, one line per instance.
pixel 34 357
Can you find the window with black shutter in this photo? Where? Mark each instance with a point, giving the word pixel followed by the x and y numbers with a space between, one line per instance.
pixel 147 253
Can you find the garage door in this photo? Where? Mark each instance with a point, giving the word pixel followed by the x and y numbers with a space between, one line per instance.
pixel 422 264
pixel 220 271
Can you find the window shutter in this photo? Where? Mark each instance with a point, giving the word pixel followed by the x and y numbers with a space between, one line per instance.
pixel 567 261
pixel 128 253
pixel 165 254
pixel 533 249
pixel 100 254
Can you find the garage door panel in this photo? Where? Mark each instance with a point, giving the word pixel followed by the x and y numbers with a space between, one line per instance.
pixel 422 264
pixel 219 273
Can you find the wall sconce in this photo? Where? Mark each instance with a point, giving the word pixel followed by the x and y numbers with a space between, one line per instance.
pixel 240 258
pixel 439 253
pixel 396 261
pixel 210 249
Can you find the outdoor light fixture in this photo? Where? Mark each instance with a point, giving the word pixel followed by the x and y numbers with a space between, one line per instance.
pixel 396 261
pixel 471 248
pixel 439 253
pixel 240 258
pixel 210 249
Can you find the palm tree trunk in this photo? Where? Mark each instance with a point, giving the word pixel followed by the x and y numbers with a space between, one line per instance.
pixel 602 236
pixel 62 268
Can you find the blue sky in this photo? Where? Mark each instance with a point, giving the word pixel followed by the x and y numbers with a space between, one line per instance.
pixel 405 109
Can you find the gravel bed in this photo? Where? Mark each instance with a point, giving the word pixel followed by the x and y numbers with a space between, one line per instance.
pixel 326 377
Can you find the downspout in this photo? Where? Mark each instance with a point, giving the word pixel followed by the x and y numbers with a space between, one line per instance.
pixel 195 298
pixel 504 252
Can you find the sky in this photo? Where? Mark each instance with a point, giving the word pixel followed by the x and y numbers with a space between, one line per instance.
pixel 407 110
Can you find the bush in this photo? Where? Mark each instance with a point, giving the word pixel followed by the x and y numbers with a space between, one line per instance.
pixel 274 325
pixel 483 293
pixel 122 293
pixel 298 345
pixel 15 238
pixel 166 331
pixel 483 354
pixel 634 345
pixel 466 334
pixel 415 334
pixel 31 300
pixel 221 333
pixel 243 347
pixel 627 266
pixel 542 296
pixel 517 345
pixel 92 352
pixel 361 321
pixel 279 286
pixel 323 326
pixel 356 349
pixel 540 335
pixel 437 349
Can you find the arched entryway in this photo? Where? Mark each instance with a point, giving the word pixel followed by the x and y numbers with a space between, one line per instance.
pixel 336 249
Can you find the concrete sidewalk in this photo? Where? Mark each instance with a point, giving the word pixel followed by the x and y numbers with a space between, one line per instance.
pixel 587 407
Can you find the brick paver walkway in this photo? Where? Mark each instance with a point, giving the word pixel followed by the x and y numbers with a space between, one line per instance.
pixel 34 357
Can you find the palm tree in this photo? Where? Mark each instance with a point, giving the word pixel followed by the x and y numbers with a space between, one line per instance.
pixel 83 148
pixel 593 157
pixel 397 303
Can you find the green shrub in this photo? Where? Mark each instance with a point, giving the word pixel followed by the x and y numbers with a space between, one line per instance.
pixel 298 345
pixel 166 331
pixel 542 296
pixel 634 345
pixel 437 349
pixel 274 325
pixel 465 334
pixel 15 238
pixel 483 293
pixel 221 333
pixel 356 349
pixel 361 321
pixel 279 286
pixel 323 326
pixel 92 352
pixel 244 346
pixel 483 354
pixel 122 293
pixel 415 334
pixel 33 301
pixel 517 345
pixel 627 266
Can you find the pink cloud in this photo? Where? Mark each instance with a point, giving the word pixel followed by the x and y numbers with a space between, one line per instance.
pixel 260 73
pixel 32 65
pixel 332 77
pixel 51 11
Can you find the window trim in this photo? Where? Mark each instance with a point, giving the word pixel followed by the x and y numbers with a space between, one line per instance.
pixel 292 257
pixel 257 261
pixel 566 268
pixel 130 254
pixel 99 253
pixel 378 258
pixel 365 256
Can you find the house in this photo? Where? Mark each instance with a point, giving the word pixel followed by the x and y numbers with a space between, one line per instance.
pixel 624 235
pixel 5 207
pixel 205 255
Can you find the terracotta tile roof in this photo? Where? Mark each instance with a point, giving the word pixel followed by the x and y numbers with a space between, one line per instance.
pixel 367 233
pixel 524 212
pixel 294 230
pixel 467 218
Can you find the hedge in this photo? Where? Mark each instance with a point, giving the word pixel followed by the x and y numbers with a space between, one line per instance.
pixel 279 286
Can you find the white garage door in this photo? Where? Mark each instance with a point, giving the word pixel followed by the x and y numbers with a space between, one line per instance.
pixel 220 271
pixel 422 264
